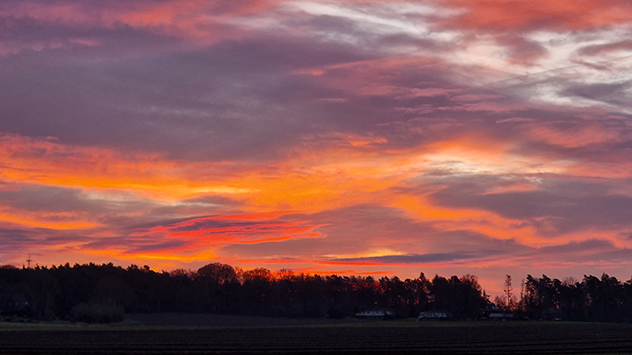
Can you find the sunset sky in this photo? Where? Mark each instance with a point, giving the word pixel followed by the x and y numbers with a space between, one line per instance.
pixel 368 137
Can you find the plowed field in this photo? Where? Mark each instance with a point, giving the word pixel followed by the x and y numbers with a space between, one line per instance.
pixel 395 337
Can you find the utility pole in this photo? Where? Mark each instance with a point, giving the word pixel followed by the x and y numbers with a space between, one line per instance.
pixel 29 262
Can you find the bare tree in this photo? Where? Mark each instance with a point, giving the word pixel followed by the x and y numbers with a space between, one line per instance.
pixel 508 289
pixel 521 303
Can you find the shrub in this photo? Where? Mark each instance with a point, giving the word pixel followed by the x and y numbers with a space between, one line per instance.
pixel 96 313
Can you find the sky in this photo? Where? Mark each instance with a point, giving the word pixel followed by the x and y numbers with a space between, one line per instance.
pixel 366 137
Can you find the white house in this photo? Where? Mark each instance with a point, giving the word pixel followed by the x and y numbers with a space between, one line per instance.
pixel 375 314
pixel 502 316
pixel 433 315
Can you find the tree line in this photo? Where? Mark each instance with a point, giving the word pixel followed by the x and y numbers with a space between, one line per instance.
pixel 102 293
pixel 599 299
pixel 93 292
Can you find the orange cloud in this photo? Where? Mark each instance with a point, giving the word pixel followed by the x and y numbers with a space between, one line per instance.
pixel 211 232
pixel 48 162
pixel 315 178
pixel 313 181
pixel 46 220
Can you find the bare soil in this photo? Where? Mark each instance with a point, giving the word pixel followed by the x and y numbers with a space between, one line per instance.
pixel 214 320
pixel 228 335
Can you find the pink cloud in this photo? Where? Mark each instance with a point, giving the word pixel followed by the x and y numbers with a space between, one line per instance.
pixel 493 15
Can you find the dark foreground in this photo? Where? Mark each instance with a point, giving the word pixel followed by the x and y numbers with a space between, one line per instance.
pixel 394 337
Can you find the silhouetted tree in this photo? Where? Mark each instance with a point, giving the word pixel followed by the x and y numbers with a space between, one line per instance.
pixel 100 291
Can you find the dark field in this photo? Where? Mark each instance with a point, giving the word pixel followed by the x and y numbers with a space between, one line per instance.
pixel 251 335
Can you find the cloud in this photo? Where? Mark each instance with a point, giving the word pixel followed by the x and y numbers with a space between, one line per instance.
pixel 359 136
pixel 216 231
pixel 597 49
pixel 45 244
pixel 419 259
pixel 555 207
pixel 615 94
pixel 105 23
pixel 376 235
pixel 526 15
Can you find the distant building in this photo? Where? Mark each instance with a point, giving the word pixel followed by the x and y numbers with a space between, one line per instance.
pixel 494 313
pixel 500 316
pixel 436 314
pixel 375 314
